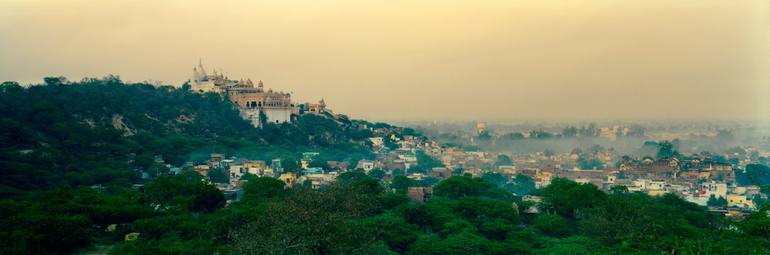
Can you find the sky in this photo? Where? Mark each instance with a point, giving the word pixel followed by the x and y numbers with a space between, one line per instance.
pixel 440 60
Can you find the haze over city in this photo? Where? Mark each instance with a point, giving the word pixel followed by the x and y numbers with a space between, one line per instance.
pixel 422 60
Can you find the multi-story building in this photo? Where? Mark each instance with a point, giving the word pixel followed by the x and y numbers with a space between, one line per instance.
pixel 255 103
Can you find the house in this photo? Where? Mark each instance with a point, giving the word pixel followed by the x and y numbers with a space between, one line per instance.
pixel 542 178
pixel 408 157
pixel 507 169
pixel 203 170
pixel 416 176
pixel 317 178
pixel 308 157
pixel 440 173
pixel 236 173
pixel 338 165
pixel 313 170
pixel 713 188
pixel 535 200
pixel 276 164
pixel 377 141
pixel 475 172
pixel 216 157
pixel 366 165
pixel 739 201
pixel 656 188
pixel 420 194
pixel 255 167
pixel 290 178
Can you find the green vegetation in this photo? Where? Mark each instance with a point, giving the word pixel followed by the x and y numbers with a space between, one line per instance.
pixel 713 201
pixel 59 139
pixel 521 185
pixel 356 215
pixel 589 164
pixel 425 163
pixel 102 131
pixel 755 174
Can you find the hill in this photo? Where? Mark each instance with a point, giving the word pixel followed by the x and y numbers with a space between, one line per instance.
pixel 100 131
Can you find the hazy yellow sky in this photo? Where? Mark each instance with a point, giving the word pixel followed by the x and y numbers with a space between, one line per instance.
pixel 422 60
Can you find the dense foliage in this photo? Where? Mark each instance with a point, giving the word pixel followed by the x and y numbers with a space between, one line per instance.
pixel 102 131
pixel 356 215
pixel 58 139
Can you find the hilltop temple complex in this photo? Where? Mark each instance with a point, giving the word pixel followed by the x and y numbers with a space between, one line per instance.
pixel 254 102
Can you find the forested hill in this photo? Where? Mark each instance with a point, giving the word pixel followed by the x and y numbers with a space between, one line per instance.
pixel 97 131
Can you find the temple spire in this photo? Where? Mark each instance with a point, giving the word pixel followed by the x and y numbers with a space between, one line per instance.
pixel 200 67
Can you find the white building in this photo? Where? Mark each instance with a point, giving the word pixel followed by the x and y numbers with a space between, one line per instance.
pixel 713 188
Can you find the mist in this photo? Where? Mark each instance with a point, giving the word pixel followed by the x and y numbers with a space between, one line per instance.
pixel 688 137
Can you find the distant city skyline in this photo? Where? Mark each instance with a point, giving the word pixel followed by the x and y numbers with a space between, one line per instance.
pixel 422 60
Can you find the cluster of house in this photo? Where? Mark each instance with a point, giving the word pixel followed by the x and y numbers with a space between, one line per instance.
pixel 236 169
pixel 700 180
pixel 228 173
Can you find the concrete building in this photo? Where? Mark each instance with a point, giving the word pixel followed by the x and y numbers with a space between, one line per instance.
pixel 420 194
pixel 256 104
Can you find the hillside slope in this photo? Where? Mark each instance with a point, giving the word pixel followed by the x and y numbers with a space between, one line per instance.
pixel 98 131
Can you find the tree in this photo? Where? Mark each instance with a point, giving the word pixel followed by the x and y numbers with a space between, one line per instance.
pixel 589 131
pixel 461 186
pixel 590 163
pixel 552 225
pixel 568 198
pixel 666 150
pixel 494 178
pixel 426 162
pixel 262 118
pixel 756 224
pixel 207 198
pixel 180 192
pixel 713 201
pixel 596 148
pixel 218 175
pixel 377 173
pixel 540 134
pixel 503 160
pixel 485 135
pixel 521 185
pixel 457 187
pixel 394 230
pixel 755 174
pixel 262 188
pixel 10 87
pixel 571 245
pixel 401 183
pixel 54 81
pixel 289 165
pixel 428 181
pixel 569 131
pixel 513 136
pixel 308 221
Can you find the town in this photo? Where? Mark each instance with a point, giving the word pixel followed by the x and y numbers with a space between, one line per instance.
pixel 417 162
pixel 384 127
